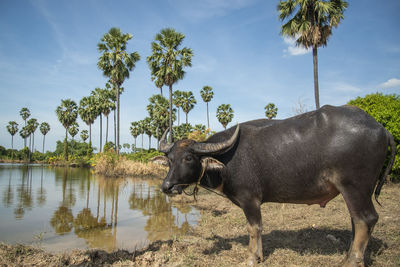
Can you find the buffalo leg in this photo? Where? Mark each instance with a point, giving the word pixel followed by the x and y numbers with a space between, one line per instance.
pixel 254 227
pixel 364 218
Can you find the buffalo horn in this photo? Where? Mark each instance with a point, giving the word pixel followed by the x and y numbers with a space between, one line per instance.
pixel 164 146
pixel 216 148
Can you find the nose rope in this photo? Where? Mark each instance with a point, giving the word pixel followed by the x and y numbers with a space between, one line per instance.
pixel 204 163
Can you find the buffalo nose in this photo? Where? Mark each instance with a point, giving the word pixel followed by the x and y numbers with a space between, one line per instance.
pixel 166 187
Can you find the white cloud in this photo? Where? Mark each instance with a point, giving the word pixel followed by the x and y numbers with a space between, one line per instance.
pixel 344 87
pixel 391 83
pixel 292 49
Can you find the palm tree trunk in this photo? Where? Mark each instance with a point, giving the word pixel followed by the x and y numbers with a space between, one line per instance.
pixel 316 89
pixel 115 128
pixel 142 141
pixel 66 145
pixel 12 147
pixel 101 131
pixel 25 137
pixel 106 130
pixel 186 117
pixel 208 119
pixel 170 114
pixel 44 136
pixel 149 142
pixel 33 142
pixel 118 118
pixel 90 134
pixel 135 145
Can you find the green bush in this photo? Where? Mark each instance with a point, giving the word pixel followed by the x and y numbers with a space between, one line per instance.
pixel 386 110
pixel 144 156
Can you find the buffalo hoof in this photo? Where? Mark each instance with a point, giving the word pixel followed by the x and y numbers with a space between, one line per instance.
pixel 352 262
pixel 252 261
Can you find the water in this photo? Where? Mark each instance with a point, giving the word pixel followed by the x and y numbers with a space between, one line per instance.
pixel 66 208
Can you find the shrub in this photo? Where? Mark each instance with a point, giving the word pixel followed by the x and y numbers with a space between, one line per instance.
pixel 386 110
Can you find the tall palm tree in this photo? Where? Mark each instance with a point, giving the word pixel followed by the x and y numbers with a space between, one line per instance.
pixel 12 128
pixel 73 129
pixel 135 131
pixel 67 113
pixel 116 63
pixel 25 113
pixel 188 102
pixel 142 126
pixel 271 111
pixel 88 113
pixel 32 126
pixel 177 100
pixel 224 114
pixel 167 61
pixel 44 129
pixel 100 97
pixel 84 135
pixel 311 23
pixel 207 94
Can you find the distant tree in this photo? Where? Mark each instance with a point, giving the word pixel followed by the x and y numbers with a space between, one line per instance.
pixel 88 112
pixel 135 130
pixel 147 128
pixel 25 113
pixel 67 113
pixel 167 61
pixel 182 131
pixel 32 126
pixel 126 146
pixel 12 128
pixel 44 129
pixel 73 129
pixel 84 135
pixel 224 114
pixel 207 94
pixel 177 100
pixel 270 111
pixel 386 110
pixel 188 102
pixel 311 23
pixel 116 64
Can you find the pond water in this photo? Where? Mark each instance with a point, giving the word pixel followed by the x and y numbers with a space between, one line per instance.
pixel 66 208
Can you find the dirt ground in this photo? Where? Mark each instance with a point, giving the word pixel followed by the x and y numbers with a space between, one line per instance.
pixel 293 235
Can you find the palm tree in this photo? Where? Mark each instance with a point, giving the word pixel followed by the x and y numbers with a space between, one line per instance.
pixel 25 113
pixel 224 114
pixel 73 129
pixel 167 61
pixel 188 102
pixel 311 24
pixel 67 113
pixel 32 126
pixel 44 129
pixel 84 135
pixel 141 124
pixel 12 128
pixel 207 94
pixel 271 111
pixel 99 97
pixel 135 131
pixel 116 63
pixel 177 100
pixel 148 129
pixel 88 113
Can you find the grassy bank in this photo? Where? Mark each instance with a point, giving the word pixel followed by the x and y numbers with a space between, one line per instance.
pixel 293 235
pixel 111 165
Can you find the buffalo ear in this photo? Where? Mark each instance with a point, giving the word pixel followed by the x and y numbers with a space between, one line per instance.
pixel 161 160
pixel 212 164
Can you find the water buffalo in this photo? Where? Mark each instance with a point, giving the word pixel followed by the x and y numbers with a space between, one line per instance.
pixel 306 159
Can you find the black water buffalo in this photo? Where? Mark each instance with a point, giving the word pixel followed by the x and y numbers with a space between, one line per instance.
pixel 306 159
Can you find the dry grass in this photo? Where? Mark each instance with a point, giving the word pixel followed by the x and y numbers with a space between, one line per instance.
pixel 293 235
pixel 112 166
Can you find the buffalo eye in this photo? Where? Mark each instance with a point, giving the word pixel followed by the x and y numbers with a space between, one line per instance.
pixel 188 158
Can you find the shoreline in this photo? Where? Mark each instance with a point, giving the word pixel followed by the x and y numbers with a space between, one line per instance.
pixel 292 233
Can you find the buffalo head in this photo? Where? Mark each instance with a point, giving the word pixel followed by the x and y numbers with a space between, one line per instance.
pixel 188 159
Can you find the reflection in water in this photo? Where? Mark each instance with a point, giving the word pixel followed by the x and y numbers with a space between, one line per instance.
pixel 75 209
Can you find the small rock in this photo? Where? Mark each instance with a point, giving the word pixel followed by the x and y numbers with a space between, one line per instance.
pixel 333 239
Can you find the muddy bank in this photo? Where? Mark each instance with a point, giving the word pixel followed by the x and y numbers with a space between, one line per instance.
pixel 293 235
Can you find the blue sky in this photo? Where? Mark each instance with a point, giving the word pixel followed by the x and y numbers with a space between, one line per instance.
pixel 48 52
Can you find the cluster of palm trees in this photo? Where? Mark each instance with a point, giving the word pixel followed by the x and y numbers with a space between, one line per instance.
pixel 28 130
